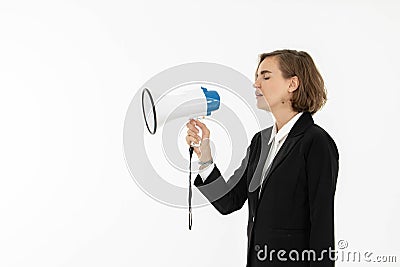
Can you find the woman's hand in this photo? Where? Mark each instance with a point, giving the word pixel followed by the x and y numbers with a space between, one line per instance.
pixel 204 151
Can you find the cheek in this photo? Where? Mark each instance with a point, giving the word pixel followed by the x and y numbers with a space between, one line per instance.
pixel 268 88
pixel 272 92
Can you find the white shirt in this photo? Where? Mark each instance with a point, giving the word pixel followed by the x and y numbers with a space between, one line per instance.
pixel 276 141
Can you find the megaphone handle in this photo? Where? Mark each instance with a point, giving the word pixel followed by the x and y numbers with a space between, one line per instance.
pixel 193 144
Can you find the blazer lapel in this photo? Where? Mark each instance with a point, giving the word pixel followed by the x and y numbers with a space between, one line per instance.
pixel 280 156
pixel 262 150
pixel 293 137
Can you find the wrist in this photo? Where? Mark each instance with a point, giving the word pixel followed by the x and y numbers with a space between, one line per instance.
pixel 205 164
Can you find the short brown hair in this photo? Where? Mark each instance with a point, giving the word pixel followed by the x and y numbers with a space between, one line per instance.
pixel 311 94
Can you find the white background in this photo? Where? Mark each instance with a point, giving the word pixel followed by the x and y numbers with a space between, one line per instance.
pixel 69 69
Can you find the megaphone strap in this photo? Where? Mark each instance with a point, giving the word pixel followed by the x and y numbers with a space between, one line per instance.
pixel 190 187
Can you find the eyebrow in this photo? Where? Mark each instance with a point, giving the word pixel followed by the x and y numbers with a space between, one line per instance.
pixel 263 72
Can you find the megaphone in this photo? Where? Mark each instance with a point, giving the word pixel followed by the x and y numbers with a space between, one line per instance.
pixel 188 101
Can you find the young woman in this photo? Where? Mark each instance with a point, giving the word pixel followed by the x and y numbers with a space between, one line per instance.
pixel 294 165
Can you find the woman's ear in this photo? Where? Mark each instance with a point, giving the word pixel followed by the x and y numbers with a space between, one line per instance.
pixel 294 84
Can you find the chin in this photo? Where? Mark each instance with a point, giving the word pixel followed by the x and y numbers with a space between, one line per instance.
pixel 263 107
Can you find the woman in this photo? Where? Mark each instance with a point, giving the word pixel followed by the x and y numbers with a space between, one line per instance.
pixel 294 164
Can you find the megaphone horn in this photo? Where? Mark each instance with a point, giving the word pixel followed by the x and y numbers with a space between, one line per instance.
pixel 190 102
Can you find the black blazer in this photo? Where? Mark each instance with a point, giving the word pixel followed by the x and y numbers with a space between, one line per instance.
pixel 295 210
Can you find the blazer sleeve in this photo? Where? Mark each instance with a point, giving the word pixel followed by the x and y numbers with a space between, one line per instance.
pixel 322 165
pixel 229 196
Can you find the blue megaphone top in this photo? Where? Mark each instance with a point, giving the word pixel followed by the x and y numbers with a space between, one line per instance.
pixel 212 100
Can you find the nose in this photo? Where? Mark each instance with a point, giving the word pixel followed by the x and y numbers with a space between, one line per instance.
pixel 256 85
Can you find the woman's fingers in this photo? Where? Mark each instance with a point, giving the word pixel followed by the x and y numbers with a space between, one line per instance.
pixel 191 122
pixel 191 133
pixel 190 139
pixel 192 126
pixel 204 130
pixel 192 136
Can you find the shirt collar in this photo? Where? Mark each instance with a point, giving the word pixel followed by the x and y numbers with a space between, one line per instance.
pixel 284 131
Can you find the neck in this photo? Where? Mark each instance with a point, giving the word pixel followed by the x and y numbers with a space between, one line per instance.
pixel 283 116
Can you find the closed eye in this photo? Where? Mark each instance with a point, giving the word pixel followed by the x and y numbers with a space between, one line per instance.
pixel 266 78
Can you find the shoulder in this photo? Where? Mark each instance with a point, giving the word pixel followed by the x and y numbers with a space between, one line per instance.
pixel 315 136
pixel 264 134
pixel 317 132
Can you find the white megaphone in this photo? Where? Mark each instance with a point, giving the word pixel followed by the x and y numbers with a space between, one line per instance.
pixel 188 101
